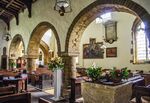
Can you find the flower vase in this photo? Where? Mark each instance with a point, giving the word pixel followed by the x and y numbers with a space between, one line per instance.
pixel 57 84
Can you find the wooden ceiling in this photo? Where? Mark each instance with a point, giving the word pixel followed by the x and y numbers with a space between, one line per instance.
pixel 11 8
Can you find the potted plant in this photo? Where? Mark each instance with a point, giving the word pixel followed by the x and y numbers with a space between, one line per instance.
pixel 94 73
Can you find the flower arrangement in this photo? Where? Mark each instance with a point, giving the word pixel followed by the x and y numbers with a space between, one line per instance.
pixel 12 64
pixel 117 74
pixel 109 75
pixel 55 63
pixel 94 72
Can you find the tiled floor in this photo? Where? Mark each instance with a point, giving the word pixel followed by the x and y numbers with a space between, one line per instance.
pixel 46 94
pixel 36 94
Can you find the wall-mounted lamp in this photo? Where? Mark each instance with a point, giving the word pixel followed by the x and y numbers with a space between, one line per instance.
pixel 6 36
pixel 62 6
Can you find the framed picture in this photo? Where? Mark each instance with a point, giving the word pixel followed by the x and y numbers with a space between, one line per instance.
pixel 111 52
pixel 93 50
pixel 110 31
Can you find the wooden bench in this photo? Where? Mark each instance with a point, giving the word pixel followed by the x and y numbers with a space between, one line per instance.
pixel 16 98
pixel 7 90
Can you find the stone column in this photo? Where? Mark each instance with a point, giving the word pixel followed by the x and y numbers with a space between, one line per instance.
pixel 31 64
pixel 69 72
pixel 73 66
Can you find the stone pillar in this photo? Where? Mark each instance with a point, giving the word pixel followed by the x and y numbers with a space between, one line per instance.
pixel 31 64
pixel 68 73
pixel 73 66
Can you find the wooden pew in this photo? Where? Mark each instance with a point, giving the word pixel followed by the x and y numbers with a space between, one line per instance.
pixel 7 90
pixel 16 98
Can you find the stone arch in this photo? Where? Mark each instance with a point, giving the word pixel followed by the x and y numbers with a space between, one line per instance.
pixel 17 39
pixel 45 50
pixel 89 13
pixel 36 36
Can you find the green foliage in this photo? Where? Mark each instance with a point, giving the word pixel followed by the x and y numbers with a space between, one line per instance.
pixel 125 73
pixel 12 64
pixel 94 72
pixel 119 73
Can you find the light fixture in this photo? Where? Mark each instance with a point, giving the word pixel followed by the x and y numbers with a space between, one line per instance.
pixel 62 6
pixel 7 36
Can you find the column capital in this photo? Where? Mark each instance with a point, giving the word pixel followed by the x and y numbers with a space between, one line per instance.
pixel 32 56
pixel 71 54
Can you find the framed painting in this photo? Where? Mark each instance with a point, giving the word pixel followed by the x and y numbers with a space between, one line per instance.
pixel 111 52
pixel 93 50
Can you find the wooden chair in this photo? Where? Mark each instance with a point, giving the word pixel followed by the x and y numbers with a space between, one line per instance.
pixel 142 91
pixel 146 78
pixel 16 98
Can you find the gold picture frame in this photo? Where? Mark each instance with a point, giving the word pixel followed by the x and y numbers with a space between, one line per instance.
pixel 111 52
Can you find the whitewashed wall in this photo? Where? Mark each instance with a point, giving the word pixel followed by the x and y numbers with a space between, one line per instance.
pixel 43 10
pixel 3 43
pixel 123 44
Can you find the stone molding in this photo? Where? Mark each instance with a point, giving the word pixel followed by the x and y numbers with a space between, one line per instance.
pixel 38 32
pixel 15 39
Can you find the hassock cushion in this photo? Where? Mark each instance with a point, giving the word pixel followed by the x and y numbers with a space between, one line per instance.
pixel 143 100
pixel 146 98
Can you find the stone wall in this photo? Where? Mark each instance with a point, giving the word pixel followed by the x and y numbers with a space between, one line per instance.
pixel 3 43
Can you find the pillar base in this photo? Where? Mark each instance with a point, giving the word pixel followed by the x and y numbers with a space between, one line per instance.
pixel 57 99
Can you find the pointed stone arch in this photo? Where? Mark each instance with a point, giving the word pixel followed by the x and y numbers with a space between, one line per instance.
pixel 45 50
pixel 36 36
pixel 17 39
pixel 89 13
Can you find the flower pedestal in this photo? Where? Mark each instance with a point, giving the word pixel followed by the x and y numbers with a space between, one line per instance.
pixel 57 85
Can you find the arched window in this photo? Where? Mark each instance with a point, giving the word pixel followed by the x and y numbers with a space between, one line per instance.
pixel 142 52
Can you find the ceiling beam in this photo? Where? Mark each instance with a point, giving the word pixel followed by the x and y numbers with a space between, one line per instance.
pixel 11 12
pixel 28 3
